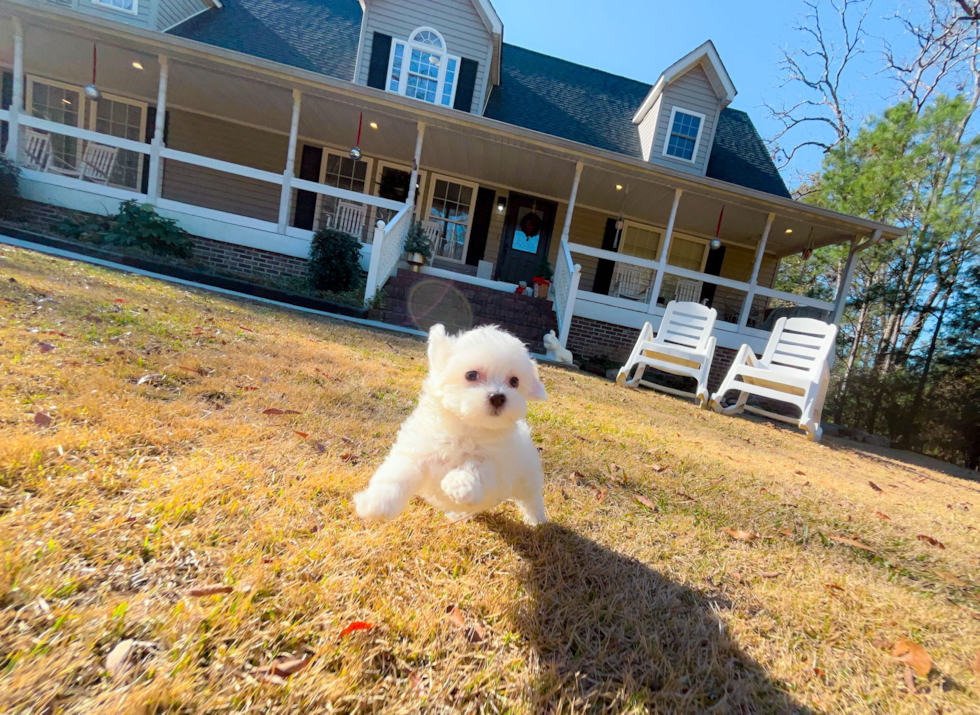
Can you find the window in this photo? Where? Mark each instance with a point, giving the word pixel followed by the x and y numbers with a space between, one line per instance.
pixel 61 104
pixel 450 210
pixel 343 172
pixel 685 134
pixel 640 241
pixel 124 5
pixel 421 68
pixel 123 119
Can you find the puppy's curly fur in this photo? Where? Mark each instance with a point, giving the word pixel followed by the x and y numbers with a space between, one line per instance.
pixel 466 448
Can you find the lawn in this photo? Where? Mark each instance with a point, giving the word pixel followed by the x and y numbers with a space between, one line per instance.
pixel 140 466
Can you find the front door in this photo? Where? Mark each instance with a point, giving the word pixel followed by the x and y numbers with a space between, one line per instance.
pixel 526 238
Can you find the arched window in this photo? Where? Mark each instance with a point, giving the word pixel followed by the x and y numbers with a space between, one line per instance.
pixel 421 67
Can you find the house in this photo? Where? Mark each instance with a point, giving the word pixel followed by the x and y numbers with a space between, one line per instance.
pixel 238 119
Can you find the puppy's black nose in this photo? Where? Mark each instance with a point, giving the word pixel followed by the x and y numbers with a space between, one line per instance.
pixel 497 399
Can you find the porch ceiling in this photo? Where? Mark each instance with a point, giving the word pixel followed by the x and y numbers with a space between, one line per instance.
pixel 257 92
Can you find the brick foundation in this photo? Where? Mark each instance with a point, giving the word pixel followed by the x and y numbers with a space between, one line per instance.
pixel 216 256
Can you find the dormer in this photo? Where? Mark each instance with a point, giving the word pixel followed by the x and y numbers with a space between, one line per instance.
pixel 151 14
pixel 445 53
pixel 678 118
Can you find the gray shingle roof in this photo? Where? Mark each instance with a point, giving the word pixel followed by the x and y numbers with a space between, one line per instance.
pixel 537 92
pixel 315 35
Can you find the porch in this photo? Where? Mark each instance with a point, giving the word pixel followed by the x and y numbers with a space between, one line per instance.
pixel 257 155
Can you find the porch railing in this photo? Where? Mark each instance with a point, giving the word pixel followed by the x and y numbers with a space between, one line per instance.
pixel 389 242
pixel 742 306
pixel 567 276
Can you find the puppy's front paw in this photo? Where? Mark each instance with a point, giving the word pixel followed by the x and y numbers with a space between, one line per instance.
pixel 462 486
pixel 379 502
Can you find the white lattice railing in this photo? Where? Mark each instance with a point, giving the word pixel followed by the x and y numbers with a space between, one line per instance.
pixel 386 251
pixel 567 276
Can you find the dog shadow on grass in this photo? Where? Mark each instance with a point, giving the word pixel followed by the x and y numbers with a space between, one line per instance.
pixel 611 634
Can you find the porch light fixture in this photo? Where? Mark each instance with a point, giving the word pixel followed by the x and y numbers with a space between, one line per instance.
pixel 619 187
pixel 789 230
pixel 373 125
pixel 501 204
pixel 137 64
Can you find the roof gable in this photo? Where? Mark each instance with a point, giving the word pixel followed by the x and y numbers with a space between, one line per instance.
pixel 708 58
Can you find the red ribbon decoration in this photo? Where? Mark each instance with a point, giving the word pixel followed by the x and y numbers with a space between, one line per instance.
pixel 720 216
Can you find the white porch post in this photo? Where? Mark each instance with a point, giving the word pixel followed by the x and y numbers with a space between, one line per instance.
pixel 664 251
pixel 287 174
pixel 743 317
pixel 415 165
pixel 571 201
pixel 155 181
pixel 840 300
pixel 17 100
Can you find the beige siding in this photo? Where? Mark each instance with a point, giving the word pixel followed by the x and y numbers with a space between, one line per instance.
pixel 228 142
pixel 648 129
pixel 140 19
pixel 456 20
pixel 690 91
pixel 172 12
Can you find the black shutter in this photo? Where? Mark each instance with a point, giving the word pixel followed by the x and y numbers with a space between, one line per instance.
pixel 151 121
pixel 604 270
pixel 309 169
pixel 6 97
pixel 466 84
pixel 482 214
pixel 380 54
pixel 713 268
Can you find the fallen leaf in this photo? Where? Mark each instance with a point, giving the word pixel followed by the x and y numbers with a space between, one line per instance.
pixel 833 587
pixel 250 388
pixel 874 486
pixel 54 332
pixel 356 626
pixel 951 577
pixel 456 616
pixel 786 532
pixel 645 502
pixel 914 655
pixel 685 496
pixel 931 541
pixel 212 590
pixel 769 574
pixel 46 347
pixel 247 330
pixel 304 435
pixel 277 411
pixel 42 419
pixel 118 660
pixel 883 516
pixel 118 300
pixel 851 542
pixel 285 668
pixel 318 446
pixel 657 468
pixel 800 472
pixel 600 495
pixel 742 535
pixel 577 477
pixel 806 483
pixel 819 671
pixel 148 378
pixel 910 680
pixel 38 290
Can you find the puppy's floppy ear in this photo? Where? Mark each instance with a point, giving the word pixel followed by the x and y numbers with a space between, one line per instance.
pixel 440 347
pixel 536 389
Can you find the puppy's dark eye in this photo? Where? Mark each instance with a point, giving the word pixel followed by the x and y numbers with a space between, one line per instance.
pixel 472 376
pixel 514 382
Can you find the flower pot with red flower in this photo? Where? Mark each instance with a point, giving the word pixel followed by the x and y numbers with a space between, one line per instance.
pixel 543 274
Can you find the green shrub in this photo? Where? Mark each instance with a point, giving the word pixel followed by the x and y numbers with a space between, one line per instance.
pixel 135 226
pixel 335 261
pixel 8 186
pixel 417 242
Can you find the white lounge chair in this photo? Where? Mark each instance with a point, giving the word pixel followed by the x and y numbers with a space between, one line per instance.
pixel 350 218
pixel 632 282
pixel 37 149
pixel 683 346
pixel 687 291
pixel 794 369
pixel 98 161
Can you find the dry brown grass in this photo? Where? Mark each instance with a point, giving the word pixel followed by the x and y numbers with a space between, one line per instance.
pixel 136 493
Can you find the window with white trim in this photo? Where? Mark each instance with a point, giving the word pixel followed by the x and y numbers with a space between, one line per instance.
pixel 422 68
pixel 124 119
pixel 684 134
pixel 124 5
pixel 62 104
pixel 450 209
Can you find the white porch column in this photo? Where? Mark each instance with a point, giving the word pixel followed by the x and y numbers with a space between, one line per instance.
pixel 571 201
pixel 17 100
pixel 840 300
pixel 664 251
pixel 155 182
pixel 743 317
pixel 287 174
pixel 415 165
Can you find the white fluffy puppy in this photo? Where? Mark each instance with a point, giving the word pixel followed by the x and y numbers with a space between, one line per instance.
pixel 466 448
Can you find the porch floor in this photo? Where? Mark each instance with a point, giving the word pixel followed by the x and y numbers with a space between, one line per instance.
pixel 419 301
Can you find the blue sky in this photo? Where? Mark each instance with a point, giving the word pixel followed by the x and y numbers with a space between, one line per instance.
pixel 640 38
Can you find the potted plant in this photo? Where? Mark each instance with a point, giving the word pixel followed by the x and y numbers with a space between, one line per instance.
pixel 543 274
pixel 417 246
